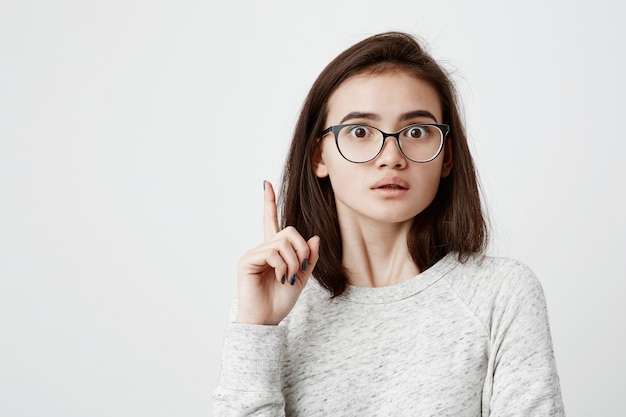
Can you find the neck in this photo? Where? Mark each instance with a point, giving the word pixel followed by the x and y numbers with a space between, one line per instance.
pixel 376 254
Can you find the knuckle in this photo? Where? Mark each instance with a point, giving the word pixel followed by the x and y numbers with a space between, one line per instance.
pixel 295 267
pixel 282 245
pixel 292 232
pixel 274 253
pixel 281 269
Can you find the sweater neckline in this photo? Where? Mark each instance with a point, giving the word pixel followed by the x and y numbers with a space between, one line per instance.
pixel 405 289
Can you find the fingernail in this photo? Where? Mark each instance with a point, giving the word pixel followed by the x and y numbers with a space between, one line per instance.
pixel 293 279
pixel 305 263
pixel 264 184
pixel 282 281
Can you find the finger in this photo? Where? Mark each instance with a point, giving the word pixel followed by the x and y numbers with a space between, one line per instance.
pixel 314 252
pixel 314 249
pixel 281 269
pixel 289 253
pixel 299 245
pixel 270 212
pixel 259 260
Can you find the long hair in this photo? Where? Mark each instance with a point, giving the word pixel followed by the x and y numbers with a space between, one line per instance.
pixel 453 222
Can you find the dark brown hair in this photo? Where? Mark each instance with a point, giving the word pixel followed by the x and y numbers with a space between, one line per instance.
pixel 453 222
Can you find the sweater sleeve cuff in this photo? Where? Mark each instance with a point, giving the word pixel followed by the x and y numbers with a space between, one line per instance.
pixel 252 359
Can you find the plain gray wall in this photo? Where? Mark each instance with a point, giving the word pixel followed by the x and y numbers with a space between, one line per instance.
pixel 135 135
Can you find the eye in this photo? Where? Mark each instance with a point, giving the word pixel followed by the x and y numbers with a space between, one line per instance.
pixel 360 131
pixel 416 132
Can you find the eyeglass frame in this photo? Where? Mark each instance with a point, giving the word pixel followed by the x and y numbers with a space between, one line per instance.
pixel 443 128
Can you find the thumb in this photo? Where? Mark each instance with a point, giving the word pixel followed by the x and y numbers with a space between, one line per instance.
pixel 314 252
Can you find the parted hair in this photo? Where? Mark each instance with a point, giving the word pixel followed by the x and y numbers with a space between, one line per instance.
pixel 453 222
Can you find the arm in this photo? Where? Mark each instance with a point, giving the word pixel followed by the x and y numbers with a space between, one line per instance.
pixel 250 381
pixel 269 281
pixel 525 382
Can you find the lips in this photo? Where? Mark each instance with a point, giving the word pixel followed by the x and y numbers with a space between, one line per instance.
pixel 391 183
pixel 392 186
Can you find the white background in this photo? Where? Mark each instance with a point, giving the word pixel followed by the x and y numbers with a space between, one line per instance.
pixel 135 135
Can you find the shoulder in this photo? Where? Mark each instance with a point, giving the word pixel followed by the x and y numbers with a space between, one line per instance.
pixel 492 272
pixel 490 285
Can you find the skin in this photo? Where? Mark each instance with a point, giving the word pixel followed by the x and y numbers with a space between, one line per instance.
pixel 374 220
pixel 262 294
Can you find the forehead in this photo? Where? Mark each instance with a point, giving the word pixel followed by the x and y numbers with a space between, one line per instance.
pixel 388 94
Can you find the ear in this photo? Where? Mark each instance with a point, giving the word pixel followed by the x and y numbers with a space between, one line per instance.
pixel 448 161
pixel 319 167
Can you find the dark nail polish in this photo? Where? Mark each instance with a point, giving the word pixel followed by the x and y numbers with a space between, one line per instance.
pixel 282 281
pixel 293 279
pixel 305 263
pixel 264 184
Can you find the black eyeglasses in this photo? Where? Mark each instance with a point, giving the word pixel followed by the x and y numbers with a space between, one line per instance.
pixel 359 143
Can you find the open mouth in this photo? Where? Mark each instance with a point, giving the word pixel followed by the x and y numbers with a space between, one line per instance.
pixel 393 183
pixel 391 187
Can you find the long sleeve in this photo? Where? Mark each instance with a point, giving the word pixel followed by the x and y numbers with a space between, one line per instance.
pixel 250 382
pixel 523 371
pixel 460 339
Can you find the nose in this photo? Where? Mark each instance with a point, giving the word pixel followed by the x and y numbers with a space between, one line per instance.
pixel 390 155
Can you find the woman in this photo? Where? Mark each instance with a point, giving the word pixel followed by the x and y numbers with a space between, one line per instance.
pixel 405 314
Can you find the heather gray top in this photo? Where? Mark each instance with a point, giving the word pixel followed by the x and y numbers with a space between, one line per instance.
pixel 459 339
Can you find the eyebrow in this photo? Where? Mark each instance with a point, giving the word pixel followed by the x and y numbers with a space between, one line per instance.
pixel 418 114
pixel 360 115
pixel 403 117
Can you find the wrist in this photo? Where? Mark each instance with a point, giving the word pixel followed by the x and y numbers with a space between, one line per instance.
pixel 254 319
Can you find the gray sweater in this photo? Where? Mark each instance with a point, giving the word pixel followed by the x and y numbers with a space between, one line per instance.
pixel 459 339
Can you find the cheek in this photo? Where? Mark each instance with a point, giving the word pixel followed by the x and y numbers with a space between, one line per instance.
pixel 429 172
pixel 341 177
pixel 345 177
pixel 427 180
pixel 332 163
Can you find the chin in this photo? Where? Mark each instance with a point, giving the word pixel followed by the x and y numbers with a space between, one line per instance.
pixel 395 218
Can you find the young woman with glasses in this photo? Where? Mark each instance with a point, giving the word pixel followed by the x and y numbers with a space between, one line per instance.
pixel 405 315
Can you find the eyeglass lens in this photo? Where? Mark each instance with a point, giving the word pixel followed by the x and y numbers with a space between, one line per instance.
pixel 362 143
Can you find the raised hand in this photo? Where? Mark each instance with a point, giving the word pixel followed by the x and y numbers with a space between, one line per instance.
pixel 272 275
